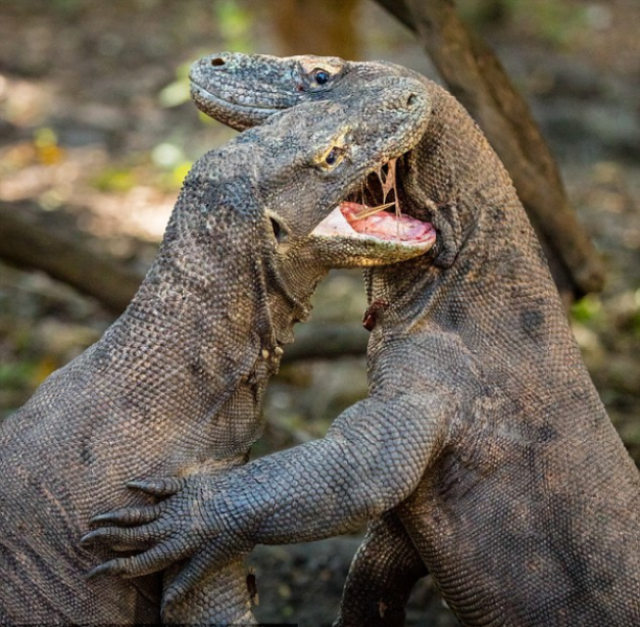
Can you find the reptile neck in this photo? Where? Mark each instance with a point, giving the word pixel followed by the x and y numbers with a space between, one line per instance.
pixel 498 269
pixel 184 338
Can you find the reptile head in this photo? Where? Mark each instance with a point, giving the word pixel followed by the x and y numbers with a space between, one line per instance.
pixel 243 90
pixel 288 196
pixel 327 174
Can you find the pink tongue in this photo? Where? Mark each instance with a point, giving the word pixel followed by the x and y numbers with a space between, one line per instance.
pixel 386 225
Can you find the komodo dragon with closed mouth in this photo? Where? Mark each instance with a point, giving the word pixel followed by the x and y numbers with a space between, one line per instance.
pixel 175 385
pixel 483 453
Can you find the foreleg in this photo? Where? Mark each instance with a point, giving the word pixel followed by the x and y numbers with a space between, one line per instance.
pixel 371 459
pixel 381 577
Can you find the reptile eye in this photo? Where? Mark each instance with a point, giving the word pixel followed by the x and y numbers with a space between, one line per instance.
pixel 332 157
pixel 321 76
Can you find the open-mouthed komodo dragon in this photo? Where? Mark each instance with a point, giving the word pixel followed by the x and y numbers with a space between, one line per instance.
pixel 175 384
pixel 483 453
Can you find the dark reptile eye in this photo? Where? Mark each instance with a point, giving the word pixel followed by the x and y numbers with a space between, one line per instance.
pixel 321 76
pixel 332 157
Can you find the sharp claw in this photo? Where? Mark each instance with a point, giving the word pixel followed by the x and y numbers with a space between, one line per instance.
pixel 101 518
pixel 155 487
pixel 144 486
pixel 90 537
pixel 102 569
pixel 104 536
pixel 141 484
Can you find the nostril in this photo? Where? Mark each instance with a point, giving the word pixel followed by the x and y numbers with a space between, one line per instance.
pixel 411 100
pixel 217 62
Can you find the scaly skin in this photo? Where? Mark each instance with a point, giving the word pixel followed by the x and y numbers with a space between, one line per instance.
pixel 175 384
pixel 483 452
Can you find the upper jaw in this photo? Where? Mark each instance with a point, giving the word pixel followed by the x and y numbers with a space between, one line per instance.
pixel 227 88
pixel 202 96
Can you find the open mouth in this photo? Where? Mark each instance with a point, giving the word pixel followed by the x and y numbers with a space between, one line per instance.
pixel 374 212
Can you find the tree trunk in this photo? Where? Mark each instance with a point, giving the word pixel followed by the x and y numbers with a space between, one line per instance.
pixel 475 76
pixel 312 27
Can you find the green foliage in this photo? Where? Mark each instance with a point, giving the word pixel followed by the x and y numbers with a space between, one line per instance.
pixel 177 92
pixel 554 21
pixel 174 94
pixel 115 179
pixel 586 309
pixel 16 374
pixel 234 22
pixel 179 172
pixel 171 159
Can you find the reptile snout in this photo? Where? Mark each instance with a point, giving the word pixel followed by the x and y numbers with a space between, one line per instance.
pixel 216 61
pixel 219 61
pixel 203 71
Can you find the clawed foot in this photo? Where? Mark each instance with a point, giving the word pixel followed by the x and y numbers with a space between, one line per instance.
pixel 135 529
pixel 183 526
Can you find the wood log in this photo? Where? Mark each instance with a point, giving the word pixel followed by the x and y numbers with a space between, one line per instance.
pixel 27 241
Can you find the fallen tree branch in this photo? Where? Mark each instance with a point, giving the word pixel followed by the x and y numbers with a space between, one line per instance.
pixel 27 241
pixel 476 77
pixel 318 340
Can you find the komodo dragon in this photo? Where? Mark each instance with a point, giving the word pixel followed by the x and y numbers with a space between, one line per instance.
pixel 174 386
pixel 483 452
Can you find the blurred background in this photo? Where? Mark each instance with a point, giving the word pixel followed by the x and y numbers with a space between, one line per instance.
pixel 97 132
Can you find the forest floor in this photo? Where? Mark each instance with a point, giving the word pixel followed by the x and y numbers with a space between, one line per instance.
pixel 96 129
